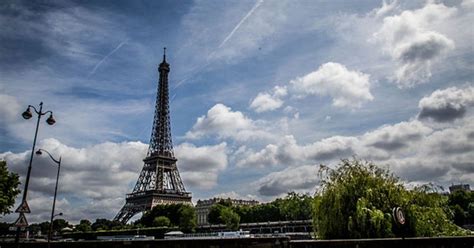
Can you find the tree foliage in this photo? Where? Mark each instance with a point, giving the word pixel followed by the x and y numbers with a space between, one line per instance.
pixel 161 221
pixel 187 218
pixel 214 216
pixel 181 215
pixel 356 201
pixel 9 187
pixel 59 224
pixel 84 226
pixel 292 207
pixel 105 224
pixel 461 203
pixel 230 218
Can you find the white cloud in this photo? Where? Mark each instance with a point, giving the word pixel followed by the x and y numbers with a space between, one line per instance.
pixel 9 108
pixel 225 123
pixel 200 166
pixel 468 4
pixel 265 102
pixel 447 104
pixel 269 101
pixel 94 180
pixel 414 151
pixel 262 158
pixel 410 40
pixel 99 173
pixel 331 148
pixel 394 137
pixel 235 195
pixel 385 9
pixel 347 88
pixel 288 153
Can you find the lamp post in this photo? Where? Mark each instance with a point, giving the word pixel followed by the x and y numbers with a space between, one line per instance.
pixel 23 208
pixel 58 162
pixel 51 227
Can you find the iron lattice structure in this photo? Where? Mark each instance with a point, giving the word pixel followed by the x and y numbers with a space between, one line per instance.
pixel 159 181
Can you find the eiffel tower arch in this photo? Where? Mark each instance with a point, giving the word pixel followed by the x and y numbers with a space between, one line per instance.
pixel 159 181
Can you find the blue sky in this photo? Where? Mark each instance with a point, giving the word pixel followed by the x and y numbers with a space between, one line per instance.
pixel 262 93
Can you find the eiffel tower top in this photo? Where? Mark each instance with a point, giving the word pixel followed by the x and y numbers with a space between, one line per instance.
pixel 164 65
pixel 161 143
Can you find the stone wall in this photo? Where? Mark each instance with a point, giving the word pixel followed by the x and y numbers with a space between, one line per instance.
pixel 281 242
pixel 277 242
pixel 435 242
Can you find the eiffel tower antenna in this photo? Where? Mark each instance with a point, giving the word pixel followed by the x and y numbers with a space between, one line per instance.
pixel 159 181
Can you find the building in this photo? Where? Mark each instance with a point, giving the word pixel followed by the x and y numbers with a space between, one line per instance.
pixel 204 206
pixel 456 187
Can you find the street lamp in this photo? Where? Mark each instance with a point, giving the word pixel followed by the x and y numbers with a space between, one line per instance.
pixel 23 208
pixel 51 227
pixel 58 162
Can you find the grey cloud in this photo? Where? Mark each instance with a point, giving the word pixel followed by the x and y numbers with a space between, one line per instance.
pixel 427 49
pixel 446 105
pixel 336 153
pixel 464 166
pixel 390 146
pixel 276 188
pixel 290 179
pixel 456 148
pixel 449 113
pixel 470 135
pixel 424 173
pixel 272 190
pixel 396 137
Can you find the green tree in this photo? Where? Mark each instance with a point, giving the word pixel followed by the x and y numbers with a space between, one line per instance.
pixel 462 198
pixel 44 227
pixel 187 218
pixel 356 200
pixel 59 224
pixel 296 206
pixel 9 187
pixel 101 225
pixel 230 218
pixel 84 226
pixel 162 221
pixel 34 229
pixel 171 211
pixel 214 216
pixel 459 215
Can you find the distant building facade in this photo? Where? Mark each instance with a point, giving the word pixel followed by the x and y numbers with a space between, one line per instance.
pixel 456 187
pixel 204 206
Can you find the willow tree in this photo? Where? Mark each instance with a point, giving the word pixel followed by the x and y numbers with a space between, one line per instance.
pixel 356 200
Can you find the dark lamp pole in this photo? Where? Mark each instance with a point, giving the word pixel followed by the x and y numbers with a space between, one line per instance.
pixel 58 162
pixel 27 115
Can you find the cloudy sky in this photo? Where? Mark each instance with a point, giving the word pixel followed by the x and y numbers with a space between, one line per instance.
pixel 262 92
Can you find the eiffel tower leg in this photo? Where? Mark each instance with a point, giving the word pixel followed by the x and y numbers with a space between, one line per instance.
pixel 125 214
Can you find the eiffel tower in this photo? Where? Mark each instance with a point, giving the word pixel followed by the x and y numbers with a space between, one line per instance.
pixel 159 181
